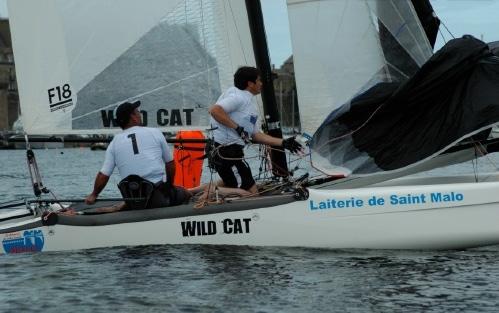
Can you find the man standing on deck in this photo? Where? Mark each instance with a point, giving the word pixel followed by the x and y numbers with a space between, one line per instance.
pixel 140 151
pixel 235 117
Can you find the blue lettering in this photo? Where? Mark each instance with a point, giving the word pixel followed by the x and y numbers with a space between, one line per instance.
pixel 446 197
pixel 312 207
pixel 407 199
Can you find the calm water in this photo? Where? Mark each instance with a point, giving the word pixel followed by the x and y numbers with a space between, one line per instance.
pixel 192 278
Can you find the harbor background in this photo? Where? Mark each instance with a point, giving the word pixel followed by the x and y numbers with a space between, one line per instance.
pixel 196 278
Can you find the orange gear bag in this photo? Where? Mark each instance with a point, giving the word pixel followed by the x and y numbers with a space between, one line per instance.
pixel 188 158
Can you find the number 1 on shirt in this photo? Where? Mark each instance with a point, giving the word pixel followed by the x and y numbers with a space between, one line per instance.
pixel 134 143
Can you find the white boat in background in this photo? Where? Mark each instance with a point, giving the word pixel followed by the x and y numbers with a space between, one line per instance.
pixel 353 88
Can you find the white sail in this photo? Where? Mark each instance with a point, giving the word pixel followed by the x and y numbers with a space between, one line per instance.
pixel 337 49
pixel 77 60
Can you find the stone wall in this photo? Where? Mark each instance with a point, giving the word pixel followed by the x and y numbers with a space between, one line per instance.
pixel 9 100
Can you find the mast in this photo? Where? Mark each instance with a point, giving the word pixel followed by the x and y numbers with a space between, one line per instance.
pixel 261 51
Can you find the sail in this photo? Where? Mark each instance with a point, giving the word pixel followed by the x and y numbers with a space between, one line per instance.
pixel 393 126
pixel 428 19
pixel 338 49
pixel 77 60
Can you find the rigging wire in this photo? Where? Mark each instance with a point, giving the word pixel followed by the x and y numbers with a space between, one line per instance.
pixel 450 33
pixel 443 37
pixel 442 33
pixel 266 186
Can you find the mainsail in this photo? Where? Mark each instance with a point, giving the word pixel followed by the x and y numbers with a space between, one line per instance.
pixel 77 60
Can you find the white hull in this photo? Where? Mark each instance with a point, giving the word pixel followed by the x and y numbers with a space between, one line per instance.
pixel 448 216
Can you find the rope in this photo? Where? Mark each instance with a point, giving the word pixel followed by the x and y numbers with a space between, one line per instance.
pixel 206 202
pixel 57 201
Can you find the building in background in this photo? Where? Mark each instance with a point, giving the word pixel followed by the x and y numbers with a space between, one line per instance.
pixel 286 97
pixel 9 99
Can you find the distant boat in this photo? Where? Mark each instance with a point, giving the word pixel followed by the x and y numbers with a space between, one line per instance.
pixel 98 146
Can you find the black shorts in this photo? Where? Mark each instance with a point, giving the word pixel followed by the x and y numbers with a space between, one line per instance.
pixel 225 159
pixel 153 195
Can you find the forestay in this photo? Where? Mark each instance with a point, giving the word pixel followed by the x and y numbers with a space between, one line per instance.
pixel 77 60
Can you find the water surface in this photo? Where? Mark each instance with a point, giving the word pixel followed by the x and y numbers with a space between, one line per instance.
pixel 195 278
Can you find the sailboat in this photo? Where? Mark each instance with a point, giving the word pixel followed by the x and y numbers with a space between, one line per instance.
pixel 379 104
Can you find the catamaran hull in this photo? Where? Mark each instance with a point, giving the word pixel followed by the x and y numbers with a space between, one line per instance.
pixel 447 216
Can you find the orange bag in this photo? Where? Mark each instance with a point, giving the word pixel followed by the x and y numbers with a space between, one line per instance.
pixel 188 159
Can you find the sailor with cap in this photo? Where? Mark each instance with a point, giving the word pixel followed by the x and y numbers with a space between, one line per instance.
pixel 139 151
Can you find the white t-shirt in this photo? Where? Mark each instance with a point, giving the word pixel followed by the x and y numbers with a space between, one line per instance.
pixel 241 107
pixel 141 151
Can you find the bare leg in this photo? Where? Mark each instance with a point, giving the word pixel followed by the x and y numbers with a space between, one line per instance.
pixel 204 187
pixel 224 191
pixel 253 189
pixel 115 208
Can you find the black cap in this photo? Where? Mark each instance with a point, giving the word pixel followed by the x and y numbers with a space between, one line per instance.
pixel 123 112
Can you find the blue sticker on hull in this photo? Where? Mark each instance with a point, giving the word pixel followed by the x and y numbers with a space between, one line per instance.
pixel 30 241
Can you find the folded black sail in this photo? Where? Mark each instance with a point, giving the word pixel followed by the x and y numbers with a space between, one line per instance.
pixel 390 126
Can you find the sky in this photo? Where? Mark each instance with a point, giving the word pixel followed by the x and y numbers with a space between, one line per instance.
pixel 475 17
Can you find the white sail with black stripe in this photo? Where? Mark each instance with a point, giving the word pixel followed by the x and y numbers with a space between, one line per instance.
pixel 77 60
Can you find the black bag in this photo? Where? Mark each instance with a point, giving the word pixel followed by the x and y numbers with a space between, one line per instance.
pixel 137 191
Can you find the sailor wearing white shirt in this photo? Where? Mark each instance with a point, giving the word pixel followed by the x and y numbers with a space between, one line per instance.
pixel 236 116
pixel 140 151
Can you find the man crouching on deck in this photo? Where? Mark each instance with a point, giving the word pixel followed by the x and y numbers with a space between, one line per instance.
pixel 139 153
pixel 235 119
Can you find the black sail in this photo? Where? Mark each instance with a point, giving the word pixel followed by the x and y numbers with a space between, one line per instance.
pixel 393 125
pixel 428 19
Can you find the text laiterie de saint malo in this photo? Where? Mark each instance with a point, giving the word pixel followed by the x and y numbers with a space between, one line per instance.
pixel 394 200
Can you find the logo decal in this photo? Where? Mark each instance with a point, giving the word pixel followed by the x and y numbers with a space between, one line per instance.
pixel 30 241
pixel 60 97
pixel 207 228
pixel 253 119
